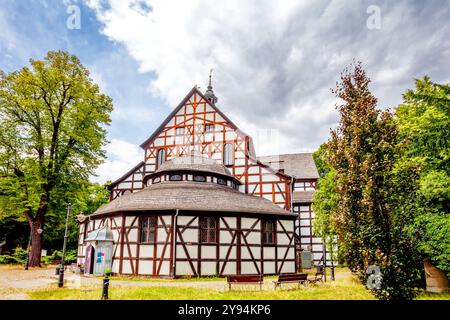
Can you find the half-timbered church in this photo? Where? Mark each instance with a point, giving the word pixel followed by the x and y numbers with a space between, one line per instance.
pixel 203 203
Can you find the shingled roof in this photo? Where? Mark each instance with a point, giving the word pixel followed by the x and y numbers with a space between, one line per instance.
pixel 299 165
pixel 192 196
pixel 195 162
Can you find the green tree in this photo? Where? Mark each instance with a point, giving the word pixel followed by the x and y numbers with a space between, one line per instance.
pixel 362 152
pixel 424 124
pixel 52 119
pixel 325 202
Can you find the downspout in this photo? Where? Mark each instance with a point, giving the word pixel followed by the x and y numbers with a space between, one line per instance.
pixel 174 245
pixel 292 193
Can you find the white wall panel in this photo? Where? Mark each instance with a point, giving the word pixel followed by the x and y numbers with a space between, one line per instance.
pixel 208 268
pixel 248 268
pixel 224 251
pixel 145 267
pixel 209 252
pixel 269 253
pixel 145 251
pixel 183 268
pixel 269 267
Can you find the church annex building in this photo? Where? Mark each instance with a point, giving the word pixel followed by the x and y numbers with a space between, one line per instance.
pixel 201 203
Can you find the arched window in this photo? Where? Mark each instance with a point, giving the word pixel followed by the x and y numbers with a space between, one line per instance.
pixel 228 154
pixel 148 229
pixel 160 157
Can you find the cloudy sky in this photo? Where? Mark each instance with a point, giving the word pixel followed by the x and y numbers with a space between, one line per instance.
pixel 274 61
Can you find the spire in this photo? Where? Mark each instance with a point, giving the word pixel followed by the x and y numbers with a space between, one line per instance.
pixel 209 94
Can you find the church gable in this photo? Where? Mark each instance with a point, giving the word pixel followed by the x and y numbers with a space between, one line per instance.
pixel 195 125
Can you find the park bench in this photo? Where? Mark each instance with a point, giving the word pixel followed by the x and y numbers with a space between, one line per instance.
pixel 318 277
pixel 245 279
pixel 301 279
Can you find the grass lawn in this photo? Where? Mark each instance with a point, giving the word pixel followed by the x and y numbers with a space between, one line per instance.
pixel 346 287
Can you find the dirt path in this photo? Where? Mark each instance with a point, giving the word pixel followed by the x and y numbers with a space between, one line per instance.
pixel 15 282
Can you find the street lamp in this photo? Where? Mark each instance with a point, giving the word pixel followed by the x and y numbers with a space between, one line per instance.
pixel 61 266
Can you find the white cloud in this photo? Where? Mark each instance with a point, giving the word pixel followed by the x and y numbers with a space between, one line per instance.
pixel 121 157
pixel 274 62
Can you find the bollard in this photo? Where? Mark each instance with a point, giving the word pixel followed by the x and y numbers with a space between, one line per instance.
pixel 61 276
pixel 105 287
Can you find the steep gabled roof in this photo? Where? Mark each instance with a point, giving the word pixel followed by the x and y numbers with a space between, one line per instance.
pixel 298 165
pixel 174 112
pixel 114 183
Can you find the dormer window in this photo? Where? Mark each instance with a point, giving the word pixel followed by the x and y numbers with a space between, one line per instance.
pixel 199 178
pixel 175 177
pixel 222 181
pixel 156 180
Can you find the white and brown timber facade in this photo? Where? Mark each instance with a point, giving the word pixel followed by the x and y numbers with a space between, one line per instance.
pixel 159 220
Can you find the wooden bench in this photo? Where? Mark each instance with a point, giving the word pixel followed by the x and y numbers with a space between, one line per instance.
pixel 291 278
pixel 318 277
pixel 245 279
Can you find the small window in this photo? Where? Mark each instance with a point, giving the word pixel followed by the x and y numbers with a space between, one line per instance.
pixel 209 127
pixel 268 232
pixel 199 178
pixel 160 157
pixel 179 131
pixel 175 177
pixel 228 154
pixel 208 229
pixel 222 181
pixel 148 230
pixel 156 180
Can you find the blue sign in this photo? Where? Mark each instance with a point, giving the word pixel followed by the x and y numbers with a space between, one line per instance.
pixel 99 257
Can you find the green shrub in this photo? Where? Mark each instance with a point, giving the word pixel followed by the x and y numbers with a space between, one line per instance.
pixel 71 256
pixel 18 257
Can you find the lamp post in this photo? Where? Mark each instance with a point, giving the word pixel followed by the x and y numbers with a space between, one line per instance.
pixel 61 266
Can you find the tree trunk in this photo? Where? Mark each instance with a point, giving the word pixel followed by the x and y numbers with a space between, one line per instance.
pixel 36 245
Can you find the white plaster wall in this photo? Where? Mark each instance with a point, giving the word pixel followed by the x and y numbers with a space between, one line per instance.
pixel 133 235
pixel 208 268
pixel 225 237
pixel 253 237
pixel 189 235
pixel 146 251
pixel 126 267
pixel 248 268
pixel 165 268
pixel 145 267
pixel 224 251
pixel 230 268
pixel 183 268
pixel 269 252
pixel 246 223
pixel 269 267
pixel 208 252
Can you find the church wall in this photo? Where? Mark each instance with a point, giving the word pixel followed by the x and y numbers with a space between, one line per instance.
pixel 193 257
